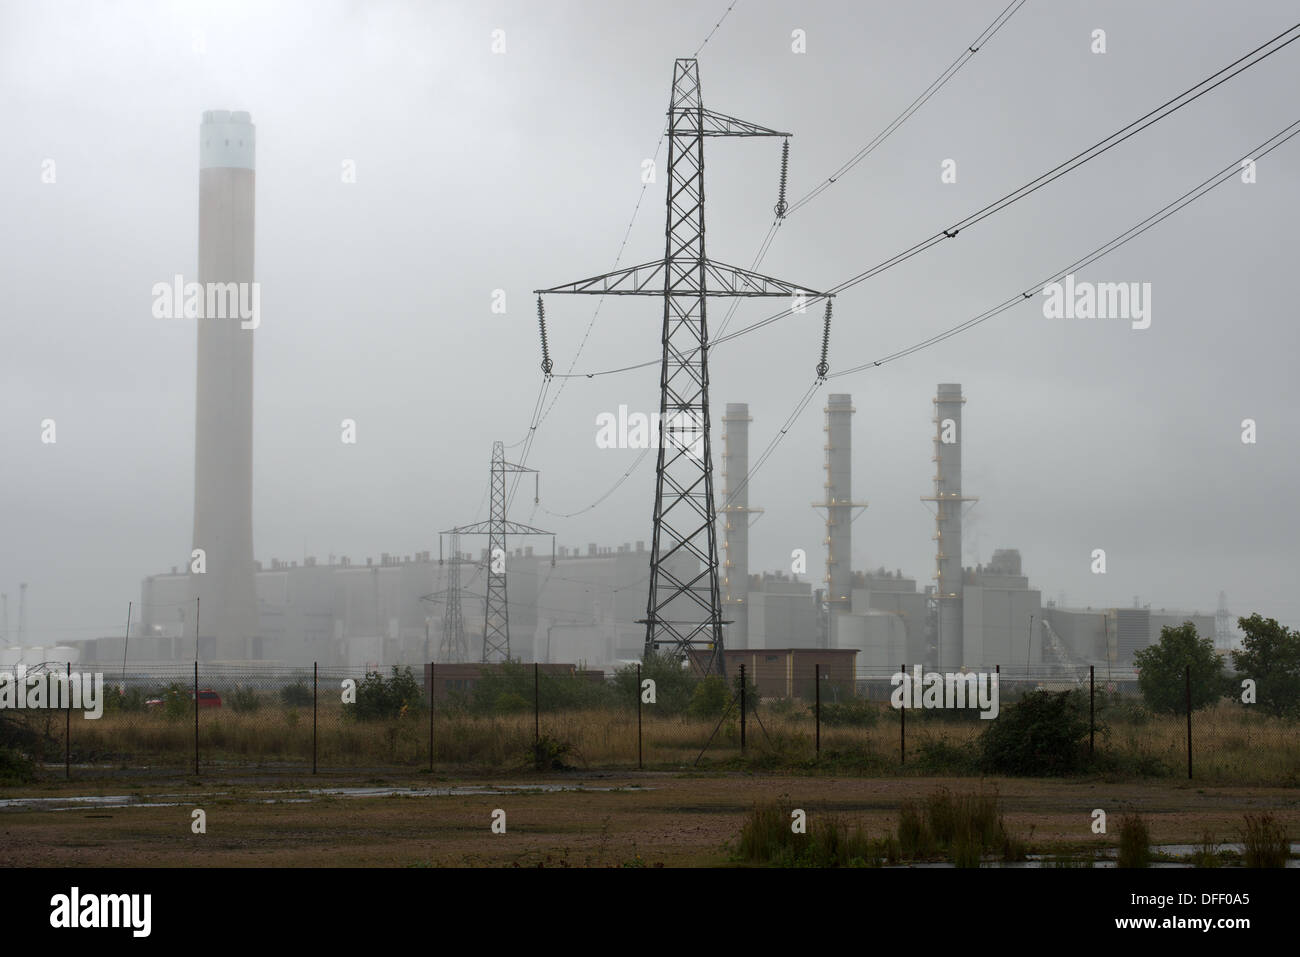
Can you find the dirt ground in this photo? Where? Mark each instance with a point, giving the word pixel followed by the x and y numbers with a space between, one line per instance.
pixel 650 819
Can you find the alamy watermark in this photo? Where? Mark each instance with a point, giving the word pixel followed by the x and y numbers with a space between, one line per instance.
pixel 971 689
pixel 78 691
pixel 76 910
pixel 1098 300
pixel 681 430
pixel 213 300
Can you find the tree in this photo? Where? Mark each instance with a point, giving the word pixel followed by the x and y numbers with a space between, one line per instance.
pixel 1271 656
pixel 1161 670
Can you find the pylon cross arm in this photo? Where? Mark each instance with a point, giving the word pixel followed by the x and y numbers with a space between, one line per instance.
pixel 491 528
pixel 714 123
pixel 721 279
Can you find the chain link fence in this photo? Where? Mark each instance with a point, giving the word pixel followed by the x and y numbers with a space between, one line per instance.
pixel 197 719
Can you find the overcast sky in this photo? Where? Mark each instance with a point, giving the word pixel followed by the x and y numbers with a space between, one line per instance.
pixel 478 171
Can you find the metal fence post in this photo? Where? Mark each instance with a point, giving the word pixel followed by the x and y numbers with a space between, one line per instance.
pixel 639 765
pixel 1187 675
pixel 537 712
pixel 742 709
pixel 817 710
pixel 67 734
pixel 902 723
pixel 315 685
pixel 432 691
pixel 196 715
pixel 1092 707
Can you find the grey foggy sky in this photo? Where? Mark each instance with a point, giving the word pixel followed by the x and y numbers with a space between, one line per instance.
pixel 478 171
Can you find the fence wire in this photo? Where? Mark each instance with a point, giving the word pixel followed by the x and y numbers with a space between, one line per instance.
pixel 518 716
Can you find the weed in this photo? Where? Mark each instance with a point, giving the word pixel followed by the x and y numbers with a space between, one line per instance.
pixel 1265 840
pixel 1134 842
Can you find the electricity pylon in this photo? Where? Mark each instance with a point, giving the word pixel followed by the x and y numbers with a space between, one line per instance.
pixel 496 619
pixel 452 645
pixel 683 611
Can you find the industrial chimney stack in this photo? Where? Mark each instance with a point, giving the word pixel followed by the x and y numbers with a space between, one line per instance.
pixel 223 440
pixel 735 513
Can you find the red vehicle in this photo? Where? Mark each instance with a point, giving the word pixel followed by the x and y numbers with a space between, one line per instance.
pixel 207 699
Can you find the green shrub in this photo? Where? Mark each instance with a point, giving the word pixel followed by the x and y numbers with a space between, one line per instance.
pixel 553 692
pixel 242 699
pixel 674 683
pixel 296 695
pixel 508 702
pixel 177 700
pixel 549 753
pixel 16 767
pixel 710 698
pixel 854 713
pixel 1045 733
pixel 940 756
pixel 378 697
pixel 788 708
pixel 117 698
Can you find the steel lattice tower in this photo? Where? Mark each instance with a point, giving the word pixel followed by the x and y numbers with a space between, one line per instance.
pixel 1223 625
pixel 496 619
pixel 452 646
pixel 683 612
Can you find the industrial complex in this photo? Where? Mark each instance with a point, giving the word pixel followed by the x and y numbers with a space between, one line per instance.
pixel 582 604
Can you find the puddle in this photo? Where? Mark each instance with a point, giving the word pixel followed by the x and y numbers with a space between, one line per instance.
pixel 297 796
pixel 1105 858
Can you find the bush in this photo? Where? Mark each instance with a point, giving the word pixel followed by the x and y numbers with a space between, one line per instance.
pixel 549 752
pixel 510 703
pixel 243 699
pixel 788 708
pixel 710 698
pixel 1162 671
pixel 395 697
pixel 177 700
pixel 18 741
pixel 118 699
pixel 1042 734
pixel 516 680
pixel 296 695
pixel 674 683
pixel 855 713
pixel 16 767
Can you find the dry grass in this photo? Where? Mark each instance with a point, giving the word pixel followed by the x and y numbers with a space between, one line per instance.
pixel 1230 745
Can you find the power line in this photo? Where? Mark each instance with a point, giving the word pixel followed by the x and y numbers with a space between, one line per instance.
pixel 971 49
pixel 632 468
pixel 725 13
pixel 1166 109
pixel 1195 193
pixel 1105 249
